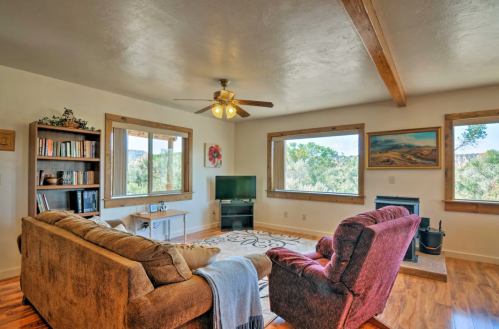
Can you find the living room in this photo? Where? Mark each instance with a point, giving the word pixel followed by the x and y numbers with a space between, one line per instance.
pixel 357 104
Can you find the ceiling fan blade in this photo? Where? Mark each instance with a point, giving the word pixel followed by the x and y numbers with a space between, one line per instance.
pixel 254 103
pixel 206 109
pixel 187 99
pixel 241 112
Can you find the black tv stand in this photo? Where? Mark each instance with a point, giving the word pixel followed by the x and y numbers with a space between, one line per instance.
pixel 236 216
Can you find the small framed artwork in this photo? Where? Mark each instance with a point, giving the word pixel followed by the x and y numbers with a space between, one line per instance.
pixel 212 155
pixel 7 140
pixel 153 208
pixel 405 149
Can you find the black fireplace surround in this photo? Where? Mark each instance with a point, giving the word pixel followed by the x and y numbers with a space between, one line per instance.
pixel 411 204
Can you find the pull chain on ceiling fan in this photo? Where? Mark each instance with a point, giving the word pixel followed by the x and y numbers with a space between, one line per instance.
pixel 225 102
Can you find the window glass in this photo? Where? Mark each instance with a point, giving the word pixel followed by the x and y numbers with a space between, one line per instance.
pixel 166 163
pixel 476 156
pixel 138 162
pixel 323 164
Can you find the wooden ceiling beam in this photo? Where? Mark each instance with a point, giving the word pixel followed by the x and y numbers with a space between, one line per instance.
pixel 366 22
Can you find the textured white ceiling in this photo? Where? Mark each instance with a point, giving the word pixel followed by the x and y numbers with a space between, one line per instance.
pixel 302 55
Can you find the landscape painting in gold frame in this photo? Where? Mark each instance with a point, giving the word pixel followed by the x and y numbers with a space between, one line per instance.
pixel 405 149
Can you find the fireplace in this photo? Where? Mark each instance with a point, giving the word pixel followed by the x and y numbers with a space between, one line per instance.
pixel 411 204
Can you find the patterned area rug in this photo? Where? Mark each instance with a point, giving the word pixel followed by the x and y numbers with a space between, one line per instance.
pixel 240 243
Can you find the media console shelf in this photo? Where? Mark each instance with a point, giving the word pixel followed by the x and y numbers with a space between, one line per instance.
pixel 236 216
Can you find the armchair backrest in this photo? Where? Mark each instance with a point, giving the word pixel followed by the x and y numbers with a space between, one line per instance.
pixel 374 265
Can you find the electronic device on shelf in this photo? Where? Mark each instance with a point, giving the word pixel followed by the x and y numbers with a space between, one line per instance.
pixel 235 188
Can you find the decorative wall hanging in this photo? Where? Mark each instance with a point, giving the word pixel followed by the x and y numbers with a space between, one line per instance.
pixel 7 140
pixel 212 155
pixel 404 149
pixel 67 120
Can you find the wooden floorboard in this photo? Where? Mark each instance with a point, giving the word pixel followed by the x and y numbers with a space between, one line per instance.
pixel 469 300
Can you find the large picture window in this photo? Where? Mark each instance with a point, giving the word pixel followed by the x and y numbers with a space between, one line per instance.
pixel 472 162
pixel 322 164
pixel 146 162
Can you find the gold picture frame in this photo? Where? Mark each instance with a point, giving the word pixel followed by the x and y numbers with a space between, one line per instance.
pixel 419 148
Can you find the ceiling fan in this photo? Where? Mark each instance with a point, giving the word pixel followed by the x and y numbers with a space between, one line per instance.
pixel 224 100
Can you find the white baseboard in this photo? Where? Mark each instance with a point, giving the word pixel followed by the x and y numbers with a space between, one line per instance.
pixel 294 229
pixel 447 253
pixel 5 274
pixel 473 257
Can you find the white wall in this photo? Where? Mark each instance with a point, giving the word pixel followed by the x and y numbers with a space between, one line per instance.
pixel 472 236
pixel 27 97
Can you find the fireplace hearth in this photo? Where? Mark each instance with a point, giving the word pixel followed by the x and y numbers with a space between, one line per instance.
pixel 411 204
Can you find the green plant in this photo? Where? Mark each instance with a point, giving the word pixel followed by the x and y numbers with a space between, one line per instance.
pixel 67 115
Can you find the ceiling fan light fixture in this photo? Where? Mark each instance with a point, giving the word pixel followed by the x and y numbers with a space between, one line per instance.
pixel 218 111
pixel 230 111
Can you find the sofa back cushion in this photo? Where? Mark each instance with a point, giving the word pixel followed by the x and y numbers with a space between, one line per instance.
pixel 347 234
pixel 161 260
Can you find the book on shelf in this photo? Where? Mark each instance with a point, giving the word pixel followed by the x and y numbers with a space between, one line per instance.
pixel 42 203
pixel 84 201
pixel 41 177
pixel 71 177
pixel 69 149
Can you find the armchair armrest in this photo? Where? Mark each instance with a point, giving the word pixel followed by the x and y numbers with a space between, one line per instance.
pixel 290 260
pixel 305 267
pixel 325 246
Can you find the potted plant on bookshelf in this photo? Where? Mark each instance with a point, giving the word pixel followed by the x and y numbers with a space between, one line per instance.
pixel 67 120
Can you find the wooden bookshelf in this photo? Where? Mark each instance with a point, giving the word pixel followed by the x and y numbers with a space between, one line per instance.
pixel 57 195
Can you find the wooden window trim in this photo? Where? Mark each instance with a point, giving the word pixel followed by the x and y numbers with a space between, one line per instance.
pixel 314 196
pixel 451 204
pixel 185 194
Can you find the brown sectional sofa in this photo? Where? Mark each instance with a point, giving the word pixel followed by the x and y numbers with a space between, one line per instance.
pixel 74 283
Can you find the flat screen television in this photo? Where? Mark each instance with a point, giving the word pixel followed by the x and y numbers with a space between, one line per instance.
pixel 235 187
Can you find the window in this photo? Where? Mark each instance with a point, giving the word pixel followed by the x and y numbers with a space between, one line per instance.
pixel 165 154
pixel 322 164
pixel 149 162
pixel 472 162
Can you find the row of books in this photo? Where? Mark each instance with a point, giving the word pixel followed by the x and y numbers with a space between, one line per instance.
pixel 72 149
pixel 70 177
pixel 79 201
pixel 84 201
pixel 43 204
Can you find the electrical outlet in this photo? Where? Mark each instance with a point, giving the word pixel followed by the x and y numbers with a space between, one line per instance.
pixel 285 214
pixel 304 217
pixel 391 179
pixel 214 214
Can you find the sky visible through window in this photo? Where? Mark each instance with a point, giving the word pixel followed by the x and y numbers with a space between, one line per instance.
pixel 491 142
pixel 347 144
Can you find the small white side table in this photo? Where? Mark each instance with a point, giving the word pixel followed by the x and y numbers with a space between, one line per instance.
pixel 160 216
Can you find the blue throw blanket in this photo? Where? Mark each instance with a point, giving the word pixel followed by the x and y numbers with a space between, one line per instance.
pixel 236 295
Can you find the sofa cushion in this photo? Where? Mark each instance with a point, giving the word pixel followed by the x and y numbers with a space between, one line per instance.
pixel 196 255
pixel 161 260
pixel 348 232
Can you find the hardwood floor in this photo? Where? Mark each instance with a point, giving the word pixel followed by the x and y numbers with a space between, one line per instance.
pixel 469 300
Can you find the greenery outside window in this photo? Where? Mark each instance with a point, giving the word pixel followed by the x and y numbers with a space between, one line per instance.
pixel 146 162
pixel 472 162
pixel 320 164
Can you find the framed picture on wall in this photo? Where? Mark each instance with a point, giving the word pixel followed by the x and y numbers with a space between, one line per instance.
pixel 212 155
pixel 404 149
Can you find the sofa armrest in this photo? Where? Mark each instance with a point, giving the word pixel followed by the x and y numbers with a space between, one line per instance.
pixel 325 246
pixel 291 260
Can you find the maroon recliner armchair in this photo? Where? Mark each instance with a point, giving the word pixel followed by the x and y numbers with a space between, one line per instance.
pixel 347 281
